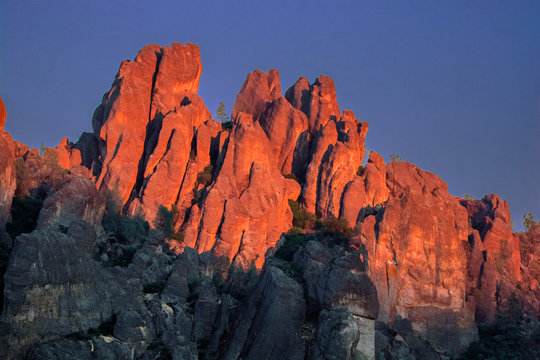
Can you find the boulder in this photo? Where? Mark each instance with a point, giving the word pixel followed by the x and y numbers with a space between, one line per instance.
pixel 53 289
pixel 276 309
pixel 77 199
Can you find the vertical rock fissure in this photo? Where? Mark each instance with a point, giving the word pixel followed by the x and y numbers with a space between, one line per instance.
pixel 152 126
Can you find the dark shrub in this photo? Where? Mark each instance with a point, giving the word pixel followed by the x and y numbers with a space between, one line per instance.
pixel 127 230
pixel 24 215
pixel 292 243
pixel 154 288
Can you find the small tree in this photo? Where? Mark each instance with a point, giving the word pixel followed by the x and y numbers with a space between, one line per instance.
pixel 528 220
pixel 468 197
pixel 42 149
pixel 221 114
pixel 395 157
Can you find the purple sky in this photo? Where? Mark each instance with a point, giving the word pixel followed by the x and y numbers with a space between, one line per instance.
pixel 452 86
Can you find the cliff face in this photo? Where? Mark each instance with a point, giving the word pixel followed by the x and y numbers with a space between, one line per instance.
pixel 7 170
pixel 411 279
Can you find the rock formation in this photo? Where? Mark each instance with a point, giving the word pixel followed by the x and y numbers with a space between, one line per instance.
pixel 496 268
pixel 415 246
pixel 7 170
pixel 410 280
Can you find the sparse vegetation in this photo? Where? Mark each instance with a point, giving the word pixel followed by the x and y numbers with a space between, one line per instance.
pixel 240 282
pixel 154 288
pixel 167 220
pixel 467 197
pixel 204 178
pixel 395 157
pixel 528 221
pixel 292 243
pixel 511 336
pixel 124 229
pixel 301 218
pixel 106 328
pixel 291 176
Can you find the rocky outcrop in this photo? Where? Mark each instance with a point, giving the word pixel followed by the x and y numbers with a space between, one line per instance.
pixel 368 189
pixel 417 258
pixel 257 92
pixel 8 180
pixel 62 303
pixel 276 309
pixel 419 267
pixel 497 272
pixel 53 289
pixel 77 199
pixel 245 210
pixel 151 106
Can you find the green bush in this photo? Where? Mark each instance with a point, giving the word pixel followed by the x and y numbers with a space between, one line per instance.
pixel 240 282
pixel 511 336
pixel 205 176
pixel 124 259
pixel 333 225
pixel 291 176
pixel 125 229
pixel 292 243
pixel 167 220
pixel 302 218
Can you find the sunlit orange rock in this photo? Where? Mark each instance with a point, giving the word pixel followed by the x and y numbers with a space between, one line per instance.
pixel 417 258
pixel 338 149
pixel 500 272
pixel 529 287
pixel 7 170
pixel 69 158
pixel 3 115
pixel 167 154
pixel 257 92
pixel 366 189
pixel 245 210
pixel 121 121
pixel 284 125
pixel 146 125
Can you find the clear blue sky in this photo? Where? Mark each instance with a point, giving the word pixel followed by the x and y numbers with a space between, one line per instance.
pixel 453 86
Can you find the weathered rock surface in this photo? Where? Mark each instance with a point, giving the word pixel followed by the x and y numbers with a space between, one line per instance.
pixel 53 289
pixel 148 94
pixel 8 179
pixel 367 189
pixel 257 92
pixel 276 309
pixel 497 272
pixel 408 285
pixel 246 209
pixel 417 258
pixel 77 199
